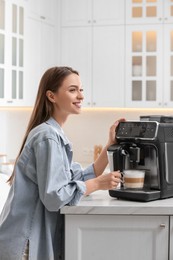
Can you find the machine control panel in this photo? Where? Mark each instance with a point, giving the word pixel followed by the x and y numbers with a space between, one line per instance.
pixel 137 129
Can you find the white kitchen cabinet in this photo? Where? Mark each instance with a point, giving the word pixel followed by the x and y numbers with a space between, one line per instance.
pixel 171 238
pixel 108 66
pixel 2 48
pixel 41 45
pixel 43 10
pixel 98 237
pixel 167 64
pixel 76 52
pixel 144 66
pixel 12 41
pixel 149 57
pixel 98 55
pixel 149 11
pixel 95 50
pixel 87 12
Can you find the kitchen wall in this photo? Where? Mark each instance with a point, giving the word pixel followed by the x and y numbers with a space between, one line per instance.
pixel 84 131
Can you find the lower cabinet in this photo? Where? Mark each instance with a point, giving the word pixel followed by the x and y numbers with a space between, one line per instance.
pixel 121 237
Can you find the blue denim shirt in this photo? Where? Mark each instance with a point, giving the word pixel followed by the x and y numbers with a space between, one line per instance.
pixel 46 179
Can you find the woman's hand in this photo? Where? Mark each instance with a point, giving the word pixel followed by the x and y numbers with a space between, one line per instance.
pixel 112 132
pixel 103 182
pixel 102 161
pixel 109 181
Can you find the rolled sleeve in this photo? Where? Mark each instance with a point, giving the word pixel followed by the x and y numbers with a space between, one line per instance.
pixel 56 186
pixel 89 173
pixel 82 174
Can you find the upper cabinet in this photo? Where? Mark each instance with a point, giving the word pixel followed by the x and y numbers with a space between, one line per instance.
pixel 41 50
pixel 92 42
pixel 28 46
pixel 2 49
pixel 149 11
pixel 43 10
pixel 149 54
pixel 87 12
pixel 12 20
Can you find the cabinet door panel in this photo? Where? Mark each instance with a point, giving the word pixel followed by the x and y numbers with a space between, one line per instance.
pixel 171 238
pixel 76 52
pixel 144 70
pixel 168 66
pixel 12 41
pixel 144 12
pixel 116 237
pixel 97 12
pixel 76 12
pixel 32 60
pixel 108 66
pixel 168 11
pixel 108 12
pixel 48 47
pixel 43 10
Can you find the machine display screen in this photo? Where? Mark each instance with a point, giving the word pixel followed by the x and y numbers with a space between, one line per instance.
pixel 141 129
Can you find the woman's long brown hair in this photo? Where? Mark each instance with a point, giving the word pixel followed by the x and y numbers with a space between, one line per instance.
pixel 51 80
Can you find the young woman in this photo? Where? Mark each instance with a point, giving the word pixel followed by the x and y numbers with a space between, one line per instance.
pixel 45 178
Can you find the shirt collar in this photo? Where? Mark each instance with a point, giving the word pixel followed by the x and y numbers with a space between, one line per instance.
pixel 51 121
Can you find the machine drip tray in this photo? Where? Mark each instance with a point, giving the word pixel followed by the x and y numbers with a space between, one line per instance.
pixel 135 194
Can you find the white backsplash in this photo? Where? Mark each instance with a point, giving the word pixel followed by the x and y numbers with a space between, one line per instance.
pixel 89 128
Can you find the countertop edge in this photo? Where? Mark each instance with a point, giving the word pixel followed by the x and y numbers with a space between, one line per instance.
pixel 100 203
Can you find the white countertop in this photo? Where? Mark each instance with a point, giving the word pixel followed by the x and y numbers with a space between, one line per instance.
pixel 100 202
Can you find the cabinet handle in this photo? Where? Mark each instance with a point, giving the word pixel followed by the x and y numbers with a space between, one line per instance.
pixel 160 104
pixel 165 104
pixel 162 225
pixel 94 21
pixel 89 21
pixel 94 103
pixel 9 101
pixel 42 17
pixel 160 19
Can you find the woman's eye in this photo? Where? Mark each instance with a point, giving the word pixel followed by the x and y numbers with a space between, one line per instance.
pixel 76 90
pixel 72 90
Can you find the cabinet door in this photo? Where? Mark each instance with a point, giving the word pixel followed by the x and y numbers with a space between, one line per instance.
pixel 108 66
pixel 32 59
pixel 48 47
pixel 144 11
pixel 76 44
pixel 12 53
pixel 168 11
pixel 48 10
pixel 108 12
pixel 2 50
pixel 96 12
pixel 17 58
pixel 43 9
pixel 168 66
pixel 144 71
pixel 171 238
pixel 116 237
pixel 41 43
pixel 76 12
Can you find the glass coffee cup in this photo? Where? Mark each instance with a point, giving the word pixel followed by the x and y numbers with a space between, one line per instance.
pixel 134 179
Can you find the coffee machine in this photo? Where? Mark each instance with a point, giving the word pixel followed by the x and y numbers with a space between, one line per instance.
pixel 146 145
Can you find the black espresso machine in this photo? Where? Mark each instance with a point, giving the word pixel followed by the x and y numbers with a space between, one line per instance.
pixel 144 145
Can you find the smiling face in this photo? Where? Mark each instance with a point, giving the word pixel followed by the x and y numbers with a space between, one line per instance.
pixel 68 98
